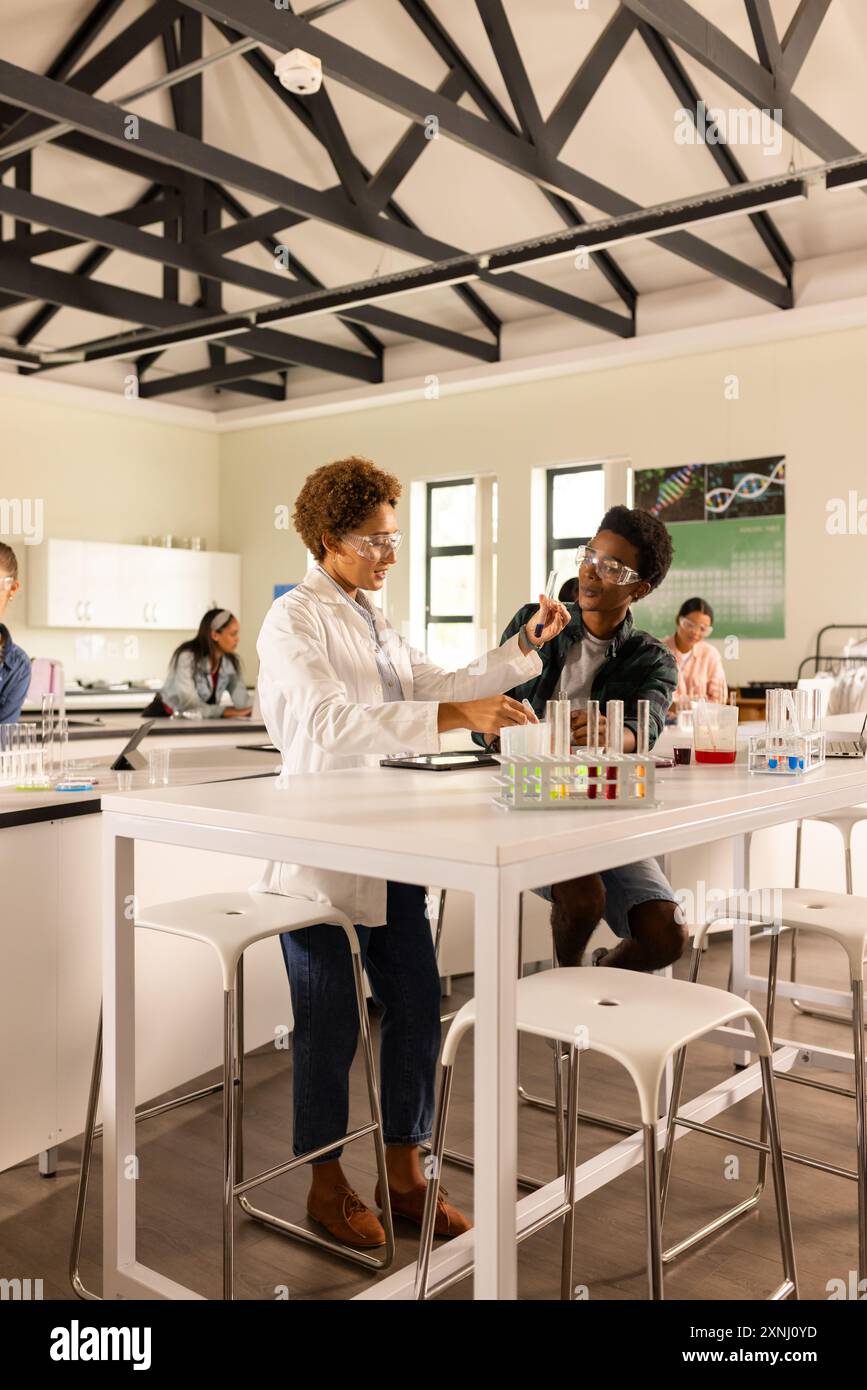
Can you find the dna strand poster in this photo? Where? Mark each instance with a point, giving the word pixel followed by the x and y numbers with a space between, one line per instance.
pixel 727 524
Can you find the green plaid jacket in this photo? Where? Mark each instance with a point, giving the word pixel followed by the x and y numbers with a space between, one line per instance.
pixel 636 667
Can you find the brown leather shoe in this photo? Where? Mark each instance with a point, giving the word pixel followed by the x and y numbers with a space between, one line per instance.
pixel 410 1205
pixel 344 1216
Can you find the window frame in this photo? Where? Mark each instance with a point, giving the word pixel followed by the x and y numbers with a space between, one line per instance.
pixel 435 552
pixel 553 543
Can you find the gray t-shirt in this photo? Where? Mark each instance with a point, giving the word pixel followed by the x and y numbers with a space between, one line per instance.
pixel 584 659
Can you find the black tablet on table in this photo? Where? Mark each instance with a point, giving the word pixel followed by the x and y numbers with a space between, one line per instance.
pixel 454 760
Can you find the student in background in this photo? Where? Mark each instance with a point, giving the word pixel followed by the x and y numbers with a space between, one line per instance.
pixel 14 661
pixel 201 670
pixel 700 674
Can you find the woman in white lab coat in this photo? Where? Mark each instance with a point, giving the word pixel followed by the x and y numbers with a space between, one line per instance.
pixel 339 688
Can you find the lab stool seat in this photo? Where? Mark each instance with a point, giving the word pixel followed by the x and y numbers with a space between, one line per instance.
pixel 229 923
pixel 842 919
pixel 639 1021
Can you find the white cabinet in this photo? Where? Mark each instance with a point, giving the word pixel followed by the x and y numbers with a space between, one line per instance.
pixel 101 585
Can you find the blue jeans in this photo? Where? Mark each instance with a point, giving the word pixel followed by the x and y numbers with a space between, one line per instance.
pixel 404 980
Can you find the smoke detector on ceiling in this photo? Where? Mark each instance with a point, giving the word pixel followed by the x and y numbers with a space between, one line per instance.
pixel 299 72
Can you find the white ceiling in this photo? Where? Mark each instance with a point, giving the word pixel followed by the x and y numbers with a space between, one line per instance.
pixel 625 139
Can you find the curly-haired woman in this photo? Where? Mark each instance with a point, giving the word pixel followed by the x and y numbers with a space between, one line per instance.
pixel 339 688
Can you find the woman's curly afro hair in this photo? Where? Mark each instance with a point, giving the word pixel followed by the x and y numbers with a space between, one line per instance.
pixel 337 498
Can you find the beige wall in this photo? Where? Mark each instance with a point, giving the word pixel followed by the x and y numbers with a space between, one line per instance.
pixel 103 477
pixel 803 398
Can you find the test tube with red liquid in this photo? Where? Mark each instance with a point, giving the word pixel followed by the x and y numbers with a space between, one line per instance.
pixel 613 745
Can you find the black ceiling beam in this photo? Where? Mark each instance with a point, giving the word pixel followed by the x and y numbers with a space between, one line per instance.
pixel 300 271
pixel 249 229
pixel 267 390
pixel 207 376
pixel 396 165
pixel 426 21
pixel 86 267
pixel 512 70
pixel 688 96
pixel 711 47
pixel 151 207
pixel 118 236
pixel 72 52
pixel 103 65
pixel 57 287
pixel 357 70
pixel 265 73
pixel 105 121
pixel 800 35
pixel 364 317
pixel 588 79
pixel 128 160
pixel 764 33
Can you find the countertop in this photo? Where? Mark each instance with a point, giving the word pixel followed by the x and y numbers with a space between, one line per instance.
pixel 117 725
pixel 189 767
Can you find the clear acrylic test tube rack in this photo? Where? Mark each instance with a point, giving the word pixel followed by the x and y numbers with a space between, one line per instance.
pixel 794 740
pixel 587 777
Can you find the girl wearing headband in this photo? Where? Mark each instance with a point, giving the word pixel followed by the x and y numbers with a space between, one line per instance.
pixel 201 670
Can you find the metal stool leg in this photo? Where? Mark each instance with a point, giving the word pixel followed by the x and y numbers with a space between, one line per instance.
pixel 748 1203
pixel 652 1215
pixel 374 1127
pixel 437 1151
pixel 860 1121
pixel 84 1169
pixel 228 1141
pixel 571 1162
pixel 771 1125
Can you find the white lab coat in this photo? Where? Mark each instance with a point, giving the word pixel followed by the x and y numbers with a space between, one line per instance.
pixel 321 698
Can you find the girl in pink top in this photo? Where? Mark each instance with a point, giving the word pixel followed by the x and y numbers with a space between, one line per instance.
pixel 700 673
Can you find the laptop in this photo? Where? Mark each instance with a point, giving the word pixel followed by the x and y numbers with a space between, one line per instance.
pixel 128 760
pixel 848 747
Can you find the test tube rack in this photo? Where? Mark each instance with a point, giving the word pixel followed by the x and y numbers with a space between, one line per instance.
pixel 586 777
pixel 787 754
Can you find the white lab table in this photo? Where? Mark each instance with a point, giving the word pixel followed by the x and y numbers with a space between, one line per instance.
pixel 430 829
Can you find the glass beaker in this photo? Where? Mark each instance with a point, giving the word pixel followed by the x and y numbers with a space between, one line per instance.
pixel 715 729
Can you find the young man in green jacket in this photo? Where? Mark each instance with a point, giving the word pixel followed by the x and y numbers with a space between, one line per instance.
pixel 602 656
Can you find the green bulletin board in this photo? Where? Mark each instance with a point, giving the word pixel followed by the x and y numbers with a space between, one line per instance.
pixel 728 528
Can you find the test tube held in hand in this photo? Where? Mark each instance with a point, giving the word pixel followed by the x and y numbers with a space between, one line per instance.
pixel 550 589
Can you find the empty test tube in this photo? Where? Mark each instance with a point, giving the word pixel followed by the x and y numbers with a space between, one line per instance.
pixel 550 592
pixel 642 736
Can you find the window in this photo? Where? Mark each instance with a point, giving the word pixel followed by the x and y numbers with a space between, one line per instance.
pixel 574 505
pixel 450 572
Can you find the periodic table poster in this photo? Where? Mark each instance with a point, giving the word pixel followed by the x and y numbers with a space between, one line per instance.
pixel 728 529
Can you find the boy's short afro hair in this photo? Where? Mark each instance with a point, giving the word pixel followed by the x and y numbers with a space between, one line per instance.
pixel 649 536
pixel 338 496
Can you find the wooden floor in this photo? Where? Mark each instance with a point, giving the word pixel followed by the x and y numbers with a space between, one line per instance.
pixel 179 1186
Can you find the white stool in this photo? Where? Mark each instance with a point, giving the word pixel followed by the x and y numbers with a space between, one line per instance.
pixel 844 822
pixel 556 1107
pixel 229 923
pixel 639 1021
pixel 843 919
